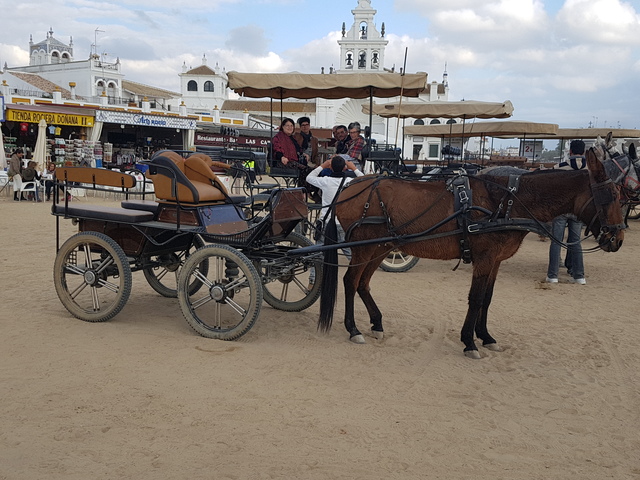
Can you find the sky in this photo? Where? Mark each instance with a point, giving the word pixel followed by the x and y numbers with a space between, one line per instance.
pixel 573 62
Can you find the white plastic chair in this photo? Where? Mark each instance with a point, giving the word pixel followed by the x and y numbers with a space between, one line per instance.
pixel 20 186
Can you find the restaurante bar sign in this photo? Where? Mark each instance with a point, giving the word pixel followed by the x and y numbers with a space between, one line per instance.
pixel 145 120
pixel 27 116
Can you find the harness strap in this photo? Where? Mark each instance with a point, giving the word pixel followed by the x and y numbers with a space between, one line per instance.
pixel 462 201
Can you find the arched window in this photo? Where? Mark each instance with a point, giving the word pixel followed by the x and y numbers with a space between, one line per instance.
pixel 55 57
pixel 435 121
pixel 349 60
pixel 192 86
pixel 208 86
pixel 450 121
pixel 65 58
pixel 418 122
pixel 363 31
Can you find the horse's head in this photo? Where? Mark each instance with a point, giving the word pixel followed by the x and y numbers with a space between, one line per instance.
pixel 623 168
pixel 607 223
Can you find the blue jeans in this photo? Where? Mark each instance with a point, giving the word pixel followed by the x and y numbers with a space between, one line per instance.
pixel 573 260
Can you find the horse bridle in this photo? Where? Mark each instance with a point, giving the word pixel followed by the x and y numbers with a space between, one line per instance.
pixel 602 196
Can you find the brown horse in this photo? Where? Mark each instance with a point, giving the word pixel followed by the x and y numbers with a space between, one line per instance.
pixel 496 211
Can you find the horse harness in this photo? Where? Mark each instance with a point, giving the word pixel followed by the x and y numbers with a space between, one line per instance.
pixel 459 187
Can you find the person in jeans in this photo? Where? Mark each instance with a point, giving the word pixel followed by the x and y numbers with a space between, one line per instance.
pixel 573 260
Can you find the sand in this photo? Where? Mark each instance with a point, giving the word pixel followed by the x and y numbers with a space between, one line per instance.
pixel 142 396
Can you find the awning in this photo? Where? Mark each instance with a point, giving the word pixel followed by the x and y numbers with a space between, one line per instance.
pixel 329 86
pixel 442 109
pixel 490 129
pixel 582 133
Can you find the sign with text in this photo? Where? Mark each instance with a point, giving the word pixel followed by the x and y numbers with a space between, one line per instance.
pixel 28 116
pixel 532 148
pixel 126 118
pixel 218 140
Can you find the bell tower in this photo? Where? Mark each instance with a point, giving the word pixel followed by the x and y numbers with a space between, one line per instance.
pixel 362 47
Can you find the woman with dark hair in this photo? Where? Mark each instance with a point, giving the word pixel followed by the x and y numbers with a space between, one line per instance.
pixel 285 148
pixel 287 152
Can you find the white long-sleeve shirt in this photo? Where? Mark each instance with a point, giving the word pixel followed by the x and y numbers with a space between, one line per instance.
pixel 328 185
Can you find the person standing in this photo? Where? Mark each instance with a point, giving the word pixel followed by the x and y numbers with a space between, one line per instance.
pixel 330 185
pixel 573 260
pixel 15 168
pixel 308 143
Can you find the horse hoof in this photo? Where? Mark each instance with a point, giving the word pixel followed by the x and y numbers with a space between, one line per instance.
pixel 359 339
pixel 472 354
pixel 377 335
pixel 494 347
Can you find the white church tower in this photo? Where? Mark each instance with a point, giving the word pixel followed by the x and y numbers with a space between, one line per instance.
pixel 362 47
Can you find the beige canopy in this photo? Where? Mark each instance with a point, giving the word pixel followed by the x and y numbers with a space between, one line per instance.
pixel 490 129
pixel 442 109
pixel 581 133
pixel 330 86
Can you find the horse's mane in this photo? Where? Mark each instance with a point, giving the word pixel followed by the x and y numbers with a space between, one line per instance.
pixel 503 171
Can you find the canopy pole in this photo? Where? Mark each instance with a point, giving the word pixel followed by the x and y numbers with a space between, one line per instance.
pixel 404 69
pixel 270 131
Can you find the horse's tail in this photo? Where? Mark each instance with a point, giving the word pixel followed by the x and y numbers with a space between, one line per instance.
pixel 329 289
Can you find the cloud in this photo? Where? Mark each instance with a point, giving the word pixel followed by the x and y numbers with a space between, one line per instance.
pixel 608 22
pixel 249 39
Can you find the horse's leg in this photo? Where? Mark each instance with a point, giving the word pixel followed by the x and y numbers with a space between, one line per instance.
pixel 363 264
pixel 364 291
pixel 481 325
pixel 351 280
pixel 482 273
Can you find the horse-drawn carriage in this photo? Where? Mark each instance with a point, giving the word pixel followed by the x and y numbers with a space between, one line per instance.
pixel 220 286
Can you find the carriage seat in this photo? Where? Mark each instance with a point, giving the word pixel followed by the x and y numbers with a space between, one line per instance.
pixel 101 212
pixel 188 181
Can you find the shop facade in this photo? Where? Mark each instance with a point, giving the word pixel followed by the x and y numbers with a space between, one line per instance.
pixel 130 137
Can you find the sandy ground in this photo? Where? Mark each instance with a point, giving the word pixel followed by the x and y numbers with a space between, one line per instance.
pixel 142 396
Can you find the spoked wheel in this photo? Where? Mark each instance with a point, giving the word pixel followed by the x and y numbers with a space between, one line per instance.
pixel 293 292
pixel 228 304
pixel 163 278
pixel 92 276
pixel 634 211
pixel 397 261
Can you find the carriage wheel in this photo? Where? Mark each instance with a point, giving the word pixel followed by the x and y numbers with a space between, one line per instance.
pixel 229 303
pixel 292 292
pixel 92 276
pixel 634 211
pixel 396 261
pixel 164 277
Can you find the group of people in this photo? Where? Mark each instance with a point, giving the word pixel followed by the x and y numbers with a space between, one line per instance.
pixel 30 173
pixel 299 150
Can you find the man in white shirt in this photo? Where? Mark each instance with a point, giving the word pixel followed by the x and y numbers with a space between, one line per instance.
pixel 329 186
